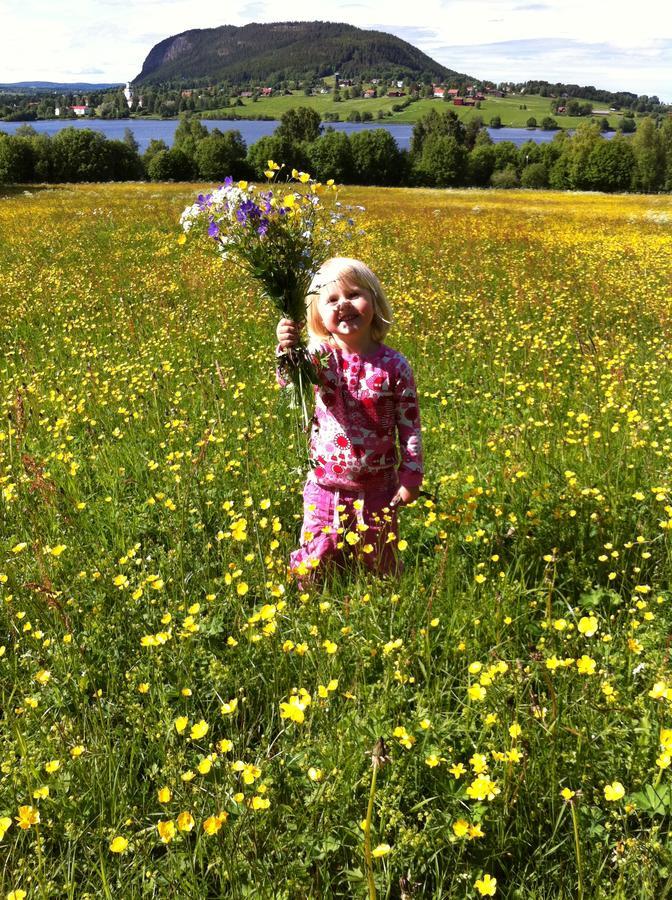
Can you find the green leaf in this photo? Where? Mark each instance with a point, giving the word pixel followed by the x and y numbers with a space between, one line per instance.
pixel 657 801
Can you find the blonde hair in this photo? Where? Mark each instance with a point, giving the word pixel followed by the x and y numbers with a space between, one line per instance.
pixel 339 269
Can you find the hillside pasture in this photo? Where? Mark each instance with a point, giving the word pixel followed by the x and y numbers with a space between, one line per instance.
pixel 508 108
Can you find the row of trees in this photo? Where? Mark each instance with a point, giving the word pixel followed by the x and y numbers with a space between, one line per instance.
pixel 444 152
pixel 641 103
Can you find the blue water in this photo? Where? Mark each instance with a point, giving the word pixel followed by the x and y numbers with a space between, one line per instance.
pixel 146 129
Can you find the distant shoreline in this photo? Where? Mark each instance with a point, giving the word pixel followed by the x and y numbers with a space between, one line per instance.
pixel 202 118
pixel 387 123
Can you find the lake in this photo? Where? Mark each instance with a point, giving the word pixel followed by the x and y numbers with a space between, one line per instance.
pixel 147 129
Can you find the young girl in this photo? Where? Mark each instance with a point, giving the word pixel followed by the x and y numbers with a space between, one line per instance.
pixel 365 398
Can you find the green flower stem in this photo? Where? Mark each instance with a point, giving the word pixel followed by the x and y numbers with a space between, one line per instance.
pixel 577 848
pixel 367 836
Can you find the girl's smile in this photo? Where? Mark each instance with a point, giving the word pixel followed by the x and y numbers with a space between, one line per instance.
pixel 347 312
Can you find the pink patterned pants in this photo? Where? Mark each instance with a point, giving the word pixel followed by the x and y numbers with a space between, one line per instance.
pixel 339 525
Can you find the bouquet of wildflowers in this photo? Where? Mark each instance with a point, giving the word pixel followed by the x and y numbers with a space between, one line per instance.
pixel 280 234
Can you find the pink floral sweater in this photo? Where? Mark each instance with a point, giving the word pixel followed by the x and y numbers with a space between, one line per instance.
pixel 361 404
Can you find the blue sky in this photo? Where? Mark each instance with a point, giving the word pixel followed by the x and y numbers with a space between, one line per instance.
pixel 605 43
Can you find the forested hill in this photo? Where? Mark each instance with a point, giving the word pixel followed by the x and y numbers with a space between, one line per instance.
pixel 286 50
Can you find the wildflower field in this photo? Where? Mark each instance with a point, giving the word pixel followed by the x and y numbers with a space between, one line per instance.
pixel 177 719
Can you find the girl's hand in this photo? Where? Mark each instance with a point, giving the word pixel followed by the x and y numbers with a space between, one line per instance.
pixel 405 495
pixel 288 334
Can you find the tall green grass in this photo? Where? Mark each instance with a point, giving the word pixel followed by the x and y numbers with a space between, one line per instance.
pixel 523 651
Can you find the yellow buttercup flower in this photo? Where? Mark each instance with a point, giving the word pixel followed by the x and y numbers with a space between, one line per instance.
pixel 166 830
pixel 199 730
pixel 118 844
pixel 461 828
pixel 486 886
pixel 27 816
pixel 185 821
pixel 204 766
pixel 588 625
pixel 614 791
pixel 586 665
pixel 213 823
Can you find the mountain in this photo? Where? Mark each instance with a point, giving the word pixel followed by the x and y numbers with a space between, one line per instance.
pixel 54 86
pixel 281 51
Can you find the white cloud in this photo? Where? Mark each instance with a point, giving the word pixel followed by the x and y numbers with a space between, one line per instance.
pixel 610 45
pixel 603 65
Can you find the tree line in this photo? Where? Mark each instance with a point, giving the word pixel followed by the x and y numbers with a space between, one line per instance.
pixel 641 103
pixel 444 152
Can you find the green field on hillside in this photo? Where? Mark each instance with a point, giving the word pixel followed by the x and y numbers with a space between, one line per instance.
pixel 508 108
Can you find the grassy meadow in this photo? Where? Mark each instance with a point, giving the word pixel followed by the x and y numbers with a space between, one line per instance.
pixel 508 108
pixel 177 719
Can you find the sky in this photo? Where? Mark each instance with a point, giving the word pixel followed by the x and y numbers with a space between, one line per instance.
pixel 609 44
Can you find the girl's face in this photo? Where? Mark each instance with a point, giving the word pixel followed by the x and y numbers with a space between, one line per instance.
pixel 347 310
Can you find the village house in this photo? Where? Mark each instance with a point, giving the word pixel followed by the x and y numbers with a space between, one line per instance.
pixel 439 93
pixel 369 94
pixel 396 94
pixel 266 91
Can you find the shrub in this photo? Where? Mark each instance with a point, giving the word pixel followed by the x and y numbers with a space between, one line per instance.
pixel 534 176
pixel 170 165
pixel 505 178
